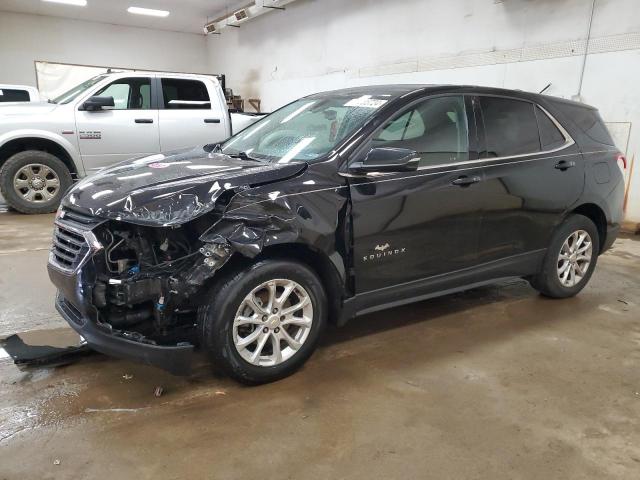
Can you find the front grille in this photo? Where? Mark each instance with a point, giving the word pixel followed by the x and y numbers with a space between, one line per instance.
pixel 67 246
pixel 70 235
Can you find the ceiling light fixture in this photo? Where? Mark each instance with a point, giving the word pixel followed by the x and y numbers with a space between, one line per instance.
pixel 147 11
pixel 77 3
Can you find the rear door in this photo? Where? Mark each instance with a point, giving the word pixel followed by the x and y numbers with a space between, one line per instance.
pixel 533 173
pixel 129 129
pixel 190 114
pixel 415 225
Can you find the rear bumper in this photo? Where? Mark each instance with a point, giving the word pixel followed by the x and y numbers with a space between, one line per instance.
pixel 612 234
pixel 131 346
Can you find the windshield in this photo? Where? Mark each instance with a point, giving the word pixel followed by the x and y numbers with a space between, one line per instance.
pixel 69 95
pixel 305 130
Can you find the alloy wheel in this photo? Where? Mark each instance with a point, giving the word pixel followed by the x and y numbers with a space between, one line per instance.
pixel 273 322
pixel 574 258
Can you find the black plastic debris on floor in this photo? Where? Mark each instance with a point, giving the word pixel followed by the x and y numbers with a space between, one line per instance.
pixel 42 355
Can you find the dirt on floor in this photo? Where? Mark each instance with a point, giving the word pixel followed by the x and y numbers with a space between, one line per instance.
pixel 496 382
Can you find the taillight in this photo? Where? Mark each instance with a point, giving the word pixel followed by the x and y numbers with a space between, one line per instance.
pixel 621 160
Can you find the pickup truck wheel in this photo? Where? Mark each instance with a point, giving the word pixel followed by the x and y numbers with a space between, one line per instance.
pixel 263 323
pixel 570 259
pixel 34 182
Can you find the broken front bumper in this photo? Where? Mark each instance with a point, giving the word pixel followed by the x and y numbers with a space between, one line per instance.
pixel 175 359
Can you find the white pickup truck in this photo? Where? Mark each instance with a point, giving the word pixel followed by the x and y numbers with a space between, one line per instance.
pixel 45 146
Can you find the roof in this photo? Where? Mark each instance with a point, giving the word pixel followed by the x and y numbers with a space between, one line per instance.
pixel 399 90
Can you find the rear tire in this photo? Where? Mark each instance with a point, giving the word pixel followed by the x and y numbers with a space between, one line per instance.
pixel 570 259
pixel 34 181
pixel 257 340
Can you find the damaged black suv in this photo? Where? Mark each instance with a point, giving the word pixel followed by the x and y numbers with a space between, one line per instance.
pixel 336 205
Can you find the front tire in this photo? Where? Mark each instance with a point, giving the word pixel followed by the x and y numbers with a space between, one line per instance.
pixel 261 324
pixel 570 259
pixel 34 182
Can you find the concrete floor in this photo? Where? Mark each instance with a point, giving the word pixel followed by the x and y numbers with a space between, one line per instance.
pixel 493 383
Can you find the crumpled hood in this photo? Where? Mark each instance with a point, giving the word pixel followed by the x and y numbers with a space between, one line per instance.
pixel 170 189
pixel 26 108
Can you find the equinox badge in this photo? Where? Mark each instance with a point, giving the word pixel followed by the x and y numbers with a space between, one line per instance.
pixel 383 251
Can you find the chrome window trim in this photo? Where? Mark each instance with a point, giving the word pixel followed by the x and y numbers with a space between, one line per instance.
pixel 568 140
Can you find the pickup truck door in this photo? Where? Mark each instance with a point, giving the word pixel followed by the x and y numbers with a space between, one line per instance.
pixel 411 226
pixel 129 129
pixel 192 112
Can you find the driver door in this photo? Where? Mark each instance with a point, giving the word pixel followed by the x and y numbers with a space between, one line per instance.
pixel 409 226
pixel 129 129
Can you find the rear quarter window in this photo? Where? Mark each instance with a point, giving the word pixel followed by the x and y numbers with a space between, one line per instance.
pixel 589 121
pixel 550 136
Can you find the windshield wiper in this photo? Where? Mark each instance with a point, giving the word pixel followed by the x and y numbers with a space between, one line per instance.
pixel 243 156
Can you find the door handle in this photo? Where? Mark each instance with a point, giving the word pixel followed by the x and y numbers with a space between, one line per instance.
pixel 563 165
pixel 211 120
pixel 144 120
pixel 465 181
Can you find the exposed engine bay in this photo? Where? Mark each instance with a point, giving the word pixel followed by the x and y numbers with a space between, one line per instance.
pixel 149 275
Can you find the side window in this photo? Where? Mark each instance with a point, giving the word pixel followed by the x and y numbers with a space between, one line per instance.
pixel 129 93
pixel 589 121
pixel 13 95
pixel 184 94
pixel 435 128
pixel 510 127
pixel 550 136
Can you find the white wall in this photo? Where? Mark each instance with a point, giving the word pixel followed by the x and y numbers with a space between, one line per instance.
pixel 319 45
pixel 27 38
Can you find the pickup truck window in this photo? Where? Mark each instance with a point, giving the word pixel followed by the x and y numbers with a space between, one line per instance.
pixel 129 93
pixel 436 128
pixel 184 94
pixel 69 95
pixel 307 129
pixel 13 95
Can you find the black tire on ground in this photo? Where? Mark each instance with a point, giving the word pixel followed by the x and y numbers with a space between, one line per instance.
pixel 547 281
pixel 216 319
pixel 39 204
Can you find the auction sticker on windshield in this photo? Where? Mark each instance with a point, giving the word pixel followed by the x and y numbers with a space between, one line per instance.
pixel 365 101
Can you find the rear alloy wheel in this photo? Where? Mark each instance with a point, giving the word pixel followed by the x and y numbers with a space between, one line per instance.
pixel 34 181
pixel 574 258
pixel 570 259
pixel 263 322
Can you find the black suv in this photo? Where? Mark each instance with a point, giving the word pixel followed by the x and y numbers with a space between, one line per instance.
pixel 336 205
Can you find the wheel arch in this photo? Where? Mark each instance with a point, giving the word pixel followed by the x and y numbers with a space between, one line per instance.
pixel 596 214
pixel 35 142
pixel 332 280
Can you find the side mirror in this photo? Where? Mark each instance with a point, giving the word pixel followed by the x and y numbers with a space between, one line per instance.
pixel 388 159
pixel 98 103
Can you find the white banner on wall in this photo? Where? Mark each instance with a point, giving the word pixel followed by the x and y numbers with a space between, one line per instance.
pixel 56 78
